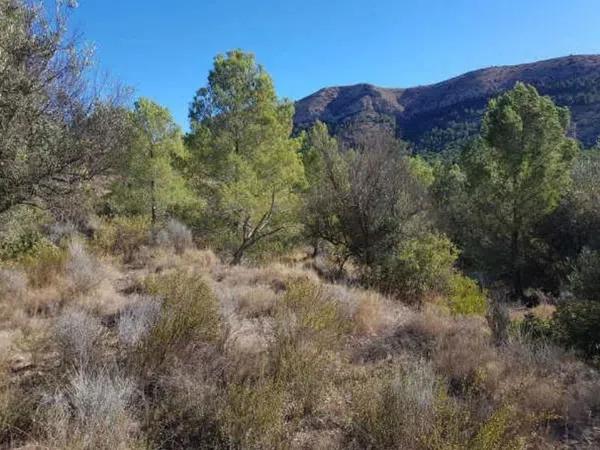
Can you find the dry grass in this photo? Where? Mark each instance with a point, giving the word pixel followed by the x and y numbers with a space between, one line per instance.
pixel 83 271
pixel 91 411
pixel 186 352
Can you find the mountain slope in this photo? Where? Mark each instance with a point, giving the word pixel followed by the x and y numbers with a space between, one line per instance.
pixel 438 116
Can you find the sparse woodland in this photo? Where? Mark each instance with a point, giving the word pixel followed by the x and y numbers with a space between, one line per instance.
pixel 242 287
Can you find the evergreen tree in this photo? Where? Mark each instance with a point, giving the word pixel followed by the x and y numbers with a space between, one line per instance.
pixel 518 171
pixel 244 160
pixel 149 182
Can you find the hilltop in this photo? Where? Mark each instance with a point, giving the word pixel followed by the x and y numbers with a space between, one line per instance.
pixel 438 116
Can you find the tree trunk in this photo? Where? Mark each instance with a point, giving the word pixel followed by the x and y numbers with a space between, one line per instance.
pixel 237 257
pixel 153 203
pixel 515 256
pixel 152 190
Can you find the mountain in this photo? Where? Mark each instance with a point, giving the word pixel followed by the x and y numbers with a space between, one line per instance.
pixel 442 115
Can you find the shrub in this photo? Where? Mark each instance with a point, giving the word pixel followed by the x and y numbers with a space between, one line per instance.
pixel 17 411
pixel 59 232
pixel 13 284
pixel 369 316
pixel 585 279
pixel 137 320
pixel 187 409
pixel 254 416
pixel 535 328
pixel 413 410
pixel 92 411
pixel 418 266
pixel 398 411
pixel 175 235
pixel 43 263
pixel 309 326
pixel 19 245
pixel 190 313
pixel 83 271
pixel 465 297
pixel 254 302
pixel 123 236
pixel 78 336
pixel 316 315
pixel 577 326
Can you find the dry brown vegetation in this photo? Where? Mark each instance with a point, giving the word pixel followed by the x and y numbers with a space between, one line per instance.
pixel 173 349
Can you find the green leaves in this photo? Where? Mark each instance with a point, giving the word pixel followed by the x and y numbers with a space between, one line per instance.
pixel 149 182
pixel 245 162
pixel 519 170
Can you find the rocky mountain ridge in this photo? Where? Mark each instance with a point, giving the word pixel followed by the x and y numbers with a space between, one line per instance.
pixel 442 115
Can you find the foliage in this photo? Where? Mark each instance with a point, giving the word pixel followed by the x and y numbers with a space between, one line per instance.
pixel 43 262
pixel 244 160
pixel 465 297
pixel 517 172
pixel 176 235
pixel 149 182
pixel 190 314
pixel 123 236
pixel 585 279
pixel 576 325
pixel 254 416
pixel 58 130
pixel 418 266
pixel 536 328
pixel 361 201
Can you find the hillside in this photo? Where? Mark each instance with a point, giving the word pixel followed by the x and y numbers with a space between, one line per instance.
pixel 437 116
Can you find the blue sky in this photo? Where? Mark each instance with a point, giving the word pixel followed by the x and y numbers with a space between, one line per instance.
pixel 164 49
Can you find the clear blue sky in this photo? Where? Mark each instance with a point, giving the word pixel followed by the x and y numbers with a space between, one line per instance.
pixel 164 49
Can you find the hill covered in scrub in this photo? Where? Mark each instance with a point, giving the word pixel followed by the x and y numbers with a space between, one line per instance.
pixel 437 116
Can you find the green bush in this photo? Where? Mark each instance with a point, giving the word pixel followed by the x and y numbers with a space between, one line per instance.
pixel 123 236
pixel 576 326
pixel 309 326
pixel 536 328
pixel 585 279
pixel 190 313
pixel 419 266
pixel 43 263
pixel 254 416
pixel 465 297
pixel 20 232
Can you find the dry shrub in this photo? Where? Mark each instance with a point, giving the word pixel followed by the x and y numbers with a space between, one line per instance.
pixel 255 302
pixel 277 276
pixel 190 314
pixel 369 311
pixel 203 259
pixel 310 327
pixel 123 236
pixel 187 407
pixel 44 264
pixel 412 410
pixel 462 354
pixel 78 337
pixel 137 319
pixel 92 411
pixel 420 331
pixel 13 284
pixel 59 232
pixel 369 315
pixel 175 235
pixel 254 416
pixel 398 411
pixel 15 410
pixel 83 271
